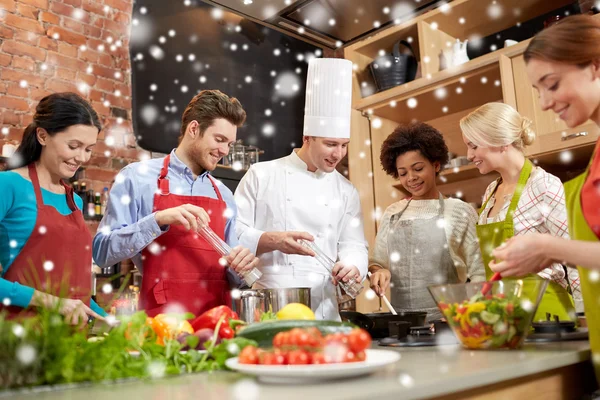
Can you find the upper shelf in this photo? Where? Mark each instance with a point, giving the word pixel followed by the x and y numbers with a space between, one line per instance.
pixel 439 79
pixel 457 93
pixel 467 19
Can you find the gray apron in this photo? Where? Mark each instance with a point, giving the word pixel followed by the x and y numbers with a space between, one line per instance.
pixel 419 257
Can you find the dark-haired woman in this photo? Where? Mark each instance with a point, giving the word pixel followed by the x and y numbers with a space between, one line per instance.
pixel 423 239
pixel 45 246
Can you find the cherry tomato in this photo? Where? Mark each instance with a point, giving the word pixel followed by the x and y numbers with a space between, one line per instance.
pixel 361 356
pixel 318 358
pixel 298 357
pixel 349 357
pixel 278 340
pixel 359 340
pixel 249 355
pixel 268 358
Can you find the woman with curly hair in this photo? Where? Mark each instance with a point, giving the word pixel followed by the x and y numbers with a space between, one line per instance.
pixel 423 239
pixel 525 199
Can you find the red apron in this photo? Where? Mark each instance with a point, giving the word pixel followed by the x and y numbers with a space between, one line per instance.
pixel 57 258
pixel 183 272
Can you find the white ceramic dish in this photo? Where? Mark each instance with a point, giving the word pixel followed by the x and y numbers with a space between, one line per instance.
pixel 375 360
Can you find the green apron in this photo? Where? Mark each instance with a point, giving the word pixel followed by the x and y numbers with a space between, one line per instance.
pixel 590 288
pixel 556 300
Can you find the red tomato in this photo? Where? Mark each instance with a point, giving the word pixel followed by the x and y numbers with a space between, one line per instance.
pixel 298 357
pixel 359 340
pixel 268 358
pixel 318 358
pixel 278 340
pixel 303 339
pixel 349 357
pixel 282 354
pixel 361 356
pixel 249 355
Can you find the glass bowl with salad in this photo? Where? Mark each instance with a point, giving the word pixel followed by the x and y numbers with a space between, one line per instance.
pixel 499 318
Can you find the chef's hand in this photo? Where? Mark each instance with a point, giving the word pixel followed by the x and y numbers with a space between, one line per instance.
pixel 190 216
pixel 522 255
pixel 345 273
pixel 241 259
pixel 380 280
pixel 285 242
pixel 74 311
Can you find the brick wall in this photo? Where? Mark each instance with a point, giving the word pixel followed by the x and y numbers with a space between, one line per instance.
pixel 51 46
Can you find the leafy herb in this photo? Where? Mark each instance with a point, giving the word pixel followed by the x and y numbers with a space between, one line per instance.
pixel 44 350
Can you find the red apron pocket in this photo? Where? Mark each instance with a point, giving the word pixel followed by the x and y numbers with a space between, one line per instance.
pixel 195 296
pixel 159 292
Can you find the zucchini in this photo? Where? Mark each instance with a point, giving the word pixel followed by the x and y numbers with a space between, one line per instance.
pixel 264 332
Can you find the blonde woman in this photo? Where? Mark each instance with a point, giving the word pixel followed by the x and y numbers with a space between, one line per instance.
pixel 523 200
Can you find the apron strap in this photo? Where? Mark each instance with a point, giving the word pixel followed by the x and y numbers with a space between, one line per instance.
pixel 523 178
pixel 214 184
pixel 163 182
pixel 69 193
pixel 36 184
pixel 489 197
pixel 33 175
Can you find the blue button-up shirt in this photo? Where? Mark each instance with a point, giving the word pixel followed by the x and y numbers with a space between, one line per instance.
pixel 129 224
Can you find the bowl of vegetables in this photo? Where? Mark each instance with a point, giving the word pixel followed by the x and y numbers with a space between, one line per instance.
pixel 497 317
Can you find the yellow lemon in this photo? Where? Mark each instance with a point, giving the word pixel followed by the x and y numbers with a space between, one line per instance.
pixel 295 311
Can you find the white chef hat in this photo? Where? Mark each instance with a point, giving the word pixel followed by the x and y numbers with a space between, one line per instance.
pixel 328 98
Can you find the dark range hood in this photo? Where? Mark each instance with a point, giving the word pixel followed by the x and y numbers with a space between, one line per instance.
pixel 330 23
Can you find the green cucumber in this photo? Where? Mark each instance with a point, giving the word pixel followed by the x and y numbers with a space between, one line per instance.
pixel 264 332
pixel 489 318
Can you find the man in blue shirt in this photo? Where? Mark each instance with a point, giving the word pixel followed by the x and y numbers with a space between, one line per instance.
pixel 156 208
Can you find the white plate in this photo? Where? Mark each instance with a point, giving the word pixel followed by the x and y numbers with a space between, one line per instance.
pixel 376 359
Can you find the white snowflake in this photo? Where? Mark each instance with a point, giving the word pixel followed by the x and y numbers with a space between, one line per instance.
pixel 18 330
pixel 268 130
pixel 156 369
pixel 23 83
pixel 42 230
pixel 370 294
pixel 406 380
pixel 245 389
pixel 566 156
pixel 156 52
pixel 395 257
pixel 494 10
pixel 26 354
pixel 228 213
pixel 411 103
pixel 441 93
pixel 107 288
pixel 527 305
pixel 48 266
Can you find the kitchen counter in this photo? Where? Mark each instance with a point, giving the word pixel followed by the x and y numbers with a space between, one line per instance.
pixel 546 371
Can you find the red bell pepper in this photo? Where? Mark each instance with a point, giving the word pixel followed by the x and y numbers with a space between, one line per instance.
pixel 211 317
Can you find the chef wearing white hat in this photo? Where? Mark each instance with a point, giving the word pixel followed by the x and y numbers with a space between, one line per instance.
pixel 302 196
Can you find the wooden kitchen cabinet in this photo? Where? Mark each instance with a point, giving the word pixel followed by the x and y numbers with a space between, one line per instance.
pixel 442 98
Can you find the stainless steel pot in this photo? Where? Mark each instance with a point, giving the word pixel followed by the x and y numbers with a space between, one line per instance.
pixel 253 302
pixel 250 305
pixel 279 298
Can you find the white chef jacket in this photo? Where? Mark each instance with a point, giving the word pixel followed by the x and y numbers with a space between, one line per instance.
pixel 282 195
